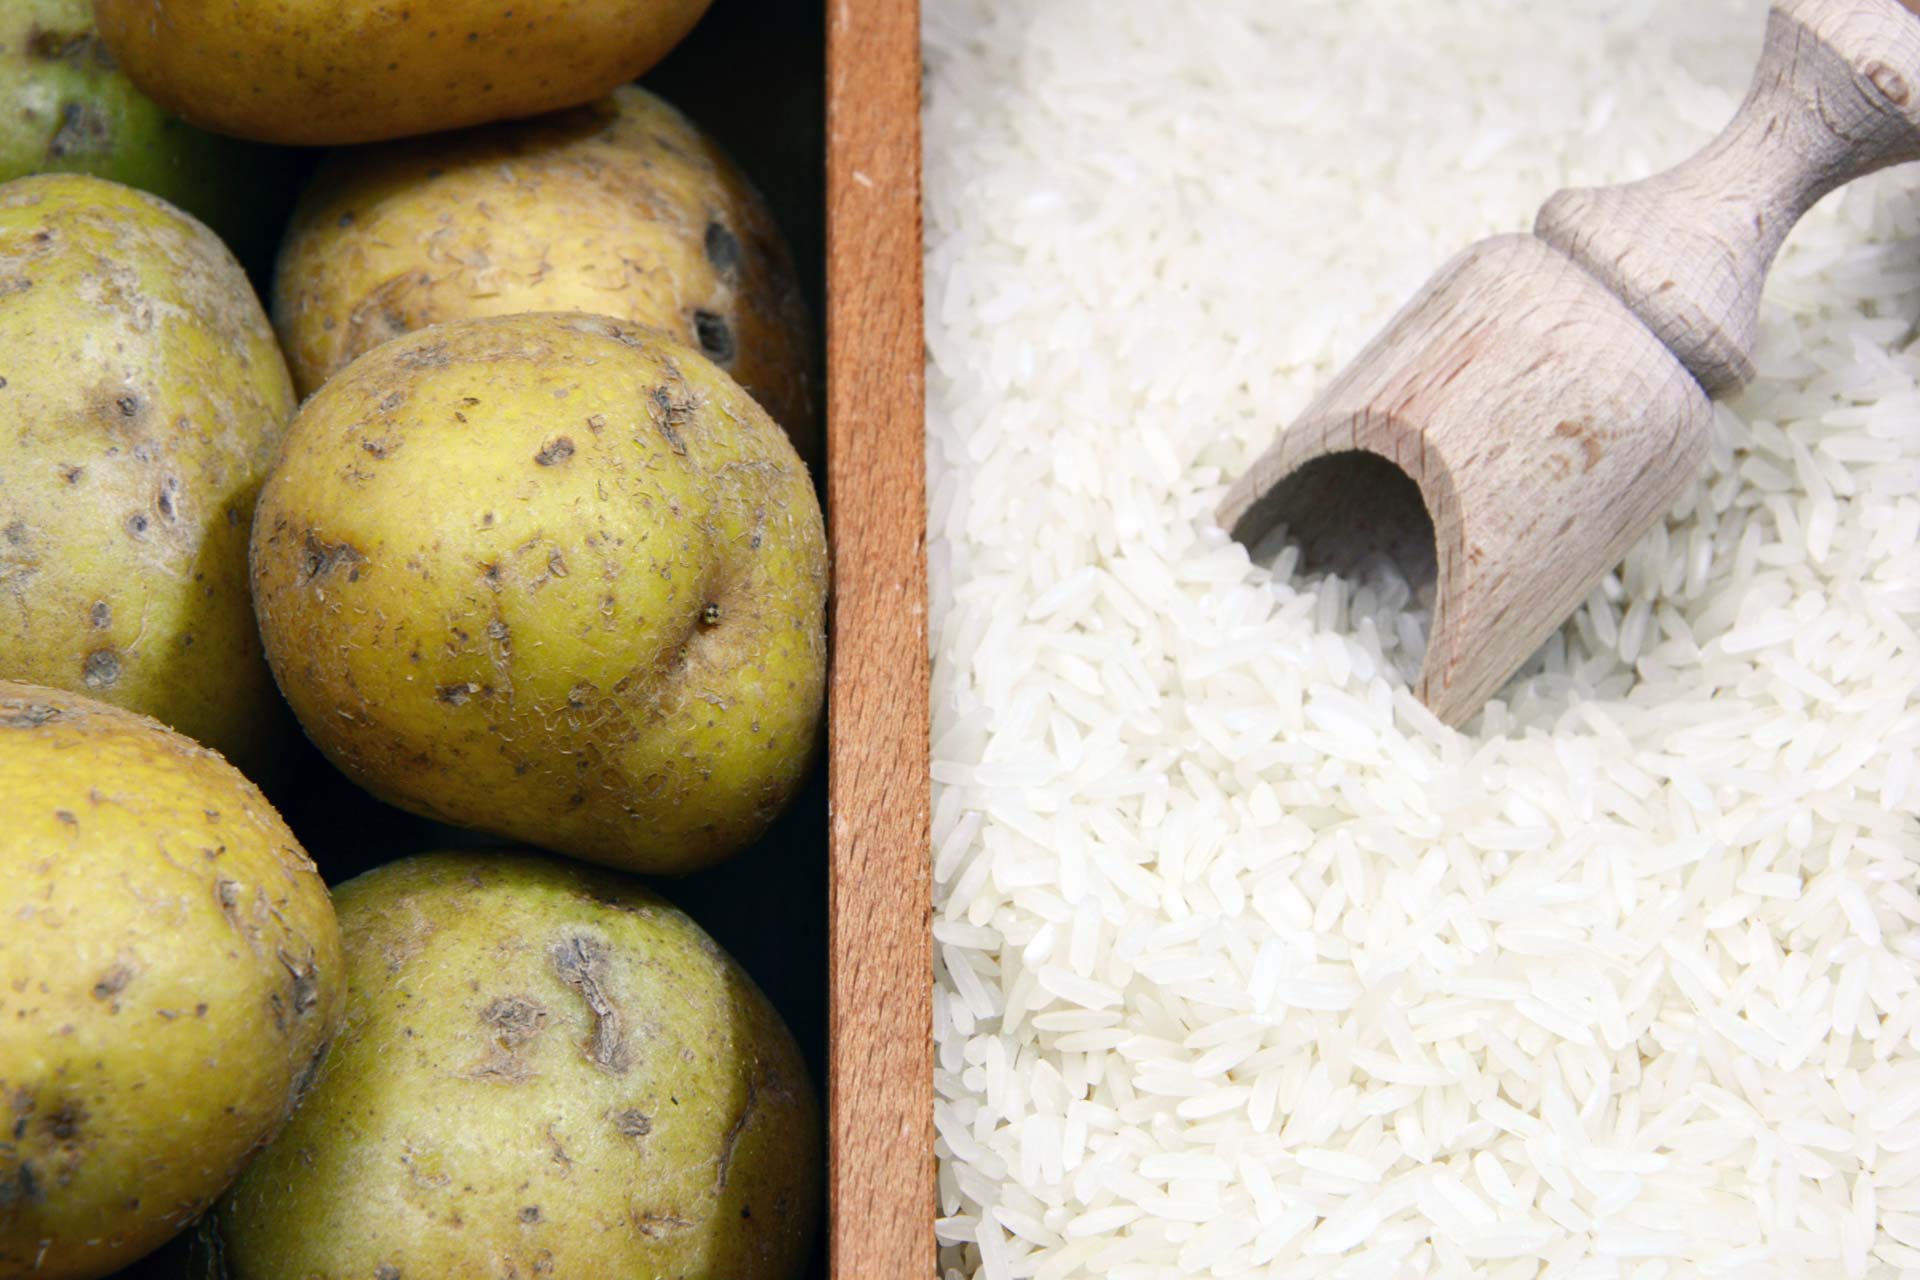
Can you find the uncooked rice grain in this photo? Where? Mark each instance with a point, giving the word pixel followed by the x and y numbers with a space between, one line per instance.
pixel 1246 965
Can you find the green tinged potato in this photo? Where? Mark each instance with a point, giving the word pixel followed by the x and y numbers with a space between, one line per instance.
pixel 623 209
pixel 170 973
pixel 141 399
pixel 314 73
pixel 544 1071
pixel 554 577
pixel 66 107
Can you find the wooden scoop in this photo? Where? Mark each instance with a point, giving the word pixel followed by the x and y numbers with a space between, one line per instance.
pixel 1544 399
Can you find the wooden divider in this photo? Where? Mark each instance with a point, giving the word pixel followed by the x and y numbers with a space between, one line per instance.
pixel 880 1077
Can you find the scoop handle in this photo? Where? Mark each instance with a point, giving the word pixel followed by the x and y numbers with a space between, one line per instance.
pixel 1836 97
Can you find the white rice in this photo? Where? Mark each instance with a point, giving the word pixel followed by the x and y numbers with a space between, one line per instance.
pixel 1246 965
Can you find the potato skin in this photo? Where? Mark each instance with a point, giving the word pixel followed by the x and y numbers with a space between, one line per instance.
pixel 622 208
pixel 142 403
pixel 545 1071
pixel 170 975
pixel 553 577
pixel 352 71
pixel 67 107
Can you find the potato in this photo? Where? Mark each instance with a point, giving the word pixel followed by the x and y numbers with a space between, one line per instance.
pixel 545 1071
pixel 365 70
pixel 170 974
pixel 622 208
pixel 66 107
pixel 141 400
pixel 554 577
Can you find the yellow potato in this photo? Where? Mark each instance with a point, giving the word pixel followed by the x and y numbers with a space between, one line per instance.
pixel 551 577
pixel 141 400
pixel 170 976
pixel 622 209
pixel 325 72
pixel 545 1071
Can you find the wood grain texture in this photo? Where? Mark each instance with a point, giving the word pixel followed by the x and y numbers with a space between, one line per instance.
pixel 1836 96
pixel 1544 426
pixel 880 1076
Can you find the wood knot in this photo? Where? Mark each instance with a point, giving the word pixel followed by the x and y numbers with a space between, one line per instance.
pixel 1892 85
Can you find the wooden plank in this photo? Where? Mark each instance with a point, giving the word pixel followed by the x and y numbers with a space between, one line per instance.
pixel 881 1194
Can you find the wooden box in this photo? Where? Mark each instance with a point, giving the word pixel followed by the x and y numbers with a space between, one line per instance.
pixel 881 1190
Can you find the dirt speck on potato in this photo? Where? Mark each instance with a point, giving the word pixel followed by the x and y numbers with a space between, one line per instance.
pixel 112 983
pixel 101 669
pixel 456 695
pixel 510 1023
pixel 324 558
pixel 514 1019
pixel 27 715
pixel 554 452
pixel 657 1224
pixel 305 982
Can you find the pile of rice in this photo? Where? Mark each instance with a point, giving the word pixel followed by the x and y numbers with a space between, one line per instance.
pixel 1247 966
